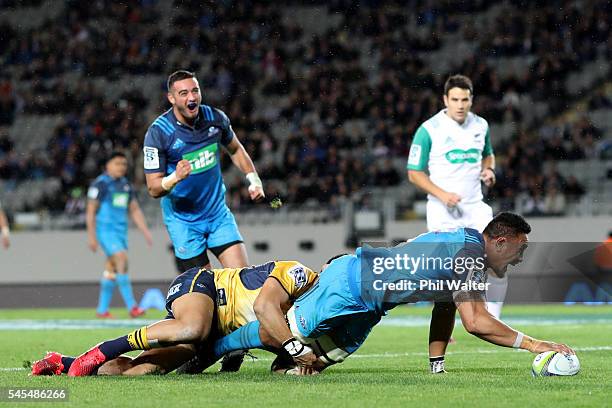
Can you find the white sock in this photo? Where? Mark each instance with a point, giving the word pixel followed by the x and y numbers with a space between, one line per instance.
pixel 497 294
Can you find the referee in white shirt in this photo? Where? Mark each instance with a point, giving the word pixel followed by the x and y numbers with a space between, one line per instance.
pixel 454 146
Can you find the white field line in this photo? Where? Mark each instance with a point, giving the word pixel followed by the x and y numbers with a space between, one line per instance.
pixel 397 355
pixel 516 321
pixel 67 324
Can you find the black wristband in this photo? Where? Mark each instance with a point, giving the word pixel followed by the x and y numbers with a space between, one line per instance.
pixel 293 347
pixel 288 341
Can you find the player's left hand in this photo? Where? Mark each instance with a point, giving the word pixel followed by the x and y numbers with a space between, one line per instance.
pixel 306 360
pixel 256 193
pixel 6 243
pixel 488 177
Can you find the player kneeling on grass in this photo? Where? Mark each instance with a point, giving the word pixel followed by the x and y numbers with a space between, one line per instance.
pixel 334 318
pixel 202 306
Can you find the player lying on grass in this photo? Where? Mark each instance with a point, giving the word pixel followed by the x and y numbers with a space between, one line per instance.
pixel 337 314
pixel 202 305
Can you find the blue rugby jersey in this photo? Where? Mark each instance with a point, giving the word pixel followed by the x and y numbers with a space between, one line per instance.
pixel 442 257
pixel 201 196
pixel 114 196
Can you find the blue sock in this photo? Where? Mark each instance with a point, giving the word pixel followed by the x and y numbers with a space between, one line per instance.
pixel 136 340
pixel 244 338
pixel 67 362
pixel 125 288
pixel 114 348
pixel 107 286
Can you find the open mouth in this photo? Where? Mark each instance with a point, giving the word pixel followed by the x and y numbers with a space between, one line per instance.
pixel 192 106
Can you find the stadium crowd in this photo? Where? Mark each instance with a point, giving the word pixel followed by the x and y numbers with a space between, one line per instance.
pixel 260 68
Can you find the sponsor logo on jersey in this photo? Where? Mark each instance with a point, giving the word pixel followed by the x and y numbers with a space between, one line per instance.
pixel 173 290
pixel 202 159
pixel 298 274
pixel 151 158
pixel 212 131
pixel 120 200
pixel 221 297
pixel 458 156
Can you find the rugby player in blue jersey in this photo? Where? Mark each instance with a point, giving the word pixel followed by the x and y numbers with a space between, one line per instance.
pixel 181 163
pixel 336 315
pixel 110 199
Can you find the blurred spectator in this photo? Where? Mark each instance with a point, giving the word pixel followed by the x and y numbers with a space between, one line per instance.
pixel 554 201
pixel 573 190
pixel 353 91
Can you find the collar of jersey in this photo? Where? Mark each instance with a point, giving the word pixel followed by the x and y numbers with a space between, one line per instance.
pixel 199 122
pixel 462 125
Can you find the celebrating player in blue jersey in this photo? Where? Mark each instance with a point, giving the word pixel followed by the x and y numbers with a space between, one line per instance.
pixel 181 162
pixel 110 198
pixel 354 292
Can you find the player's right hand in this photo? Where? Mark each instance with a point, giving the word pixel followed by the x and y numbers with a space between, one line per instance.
pixel 183 170
pixel 93 244
pixel 450 199
pixel 6 242
pixel 306 360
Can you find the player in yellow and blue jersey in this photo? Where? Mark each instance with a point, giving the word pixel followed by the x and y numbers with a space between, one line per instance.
pixel 202 305
pixel 110 199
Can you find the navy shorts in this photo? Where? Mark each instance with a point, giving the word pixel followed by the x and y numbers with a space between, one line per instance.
pixel 198 280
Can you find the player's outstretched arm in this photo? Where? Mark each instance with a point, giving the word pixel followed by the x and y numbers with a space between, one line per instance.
pixel 4 230
pixel 268 307
pixel 478 321
pixel 242 160
pixel 140 221
pixel 90 221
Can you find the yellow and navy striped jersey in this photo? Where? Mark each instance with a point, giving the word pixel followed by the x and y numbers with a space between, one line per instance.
pixel 237 289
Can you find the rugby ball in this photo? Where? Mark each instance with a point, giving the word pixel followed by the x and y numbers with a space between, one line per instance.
pixel 552 363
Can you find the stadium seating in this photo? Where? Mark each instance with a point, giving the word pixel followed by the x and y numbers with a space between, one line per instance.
pixel 297 75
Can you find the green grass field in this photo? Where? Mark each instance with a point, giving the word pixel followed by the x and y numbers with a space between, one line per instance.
pixel 391 369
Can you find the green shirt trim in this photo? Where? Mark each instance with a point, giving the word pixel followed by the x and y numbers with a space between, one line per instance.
pixel 419 150
pixel 488 149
